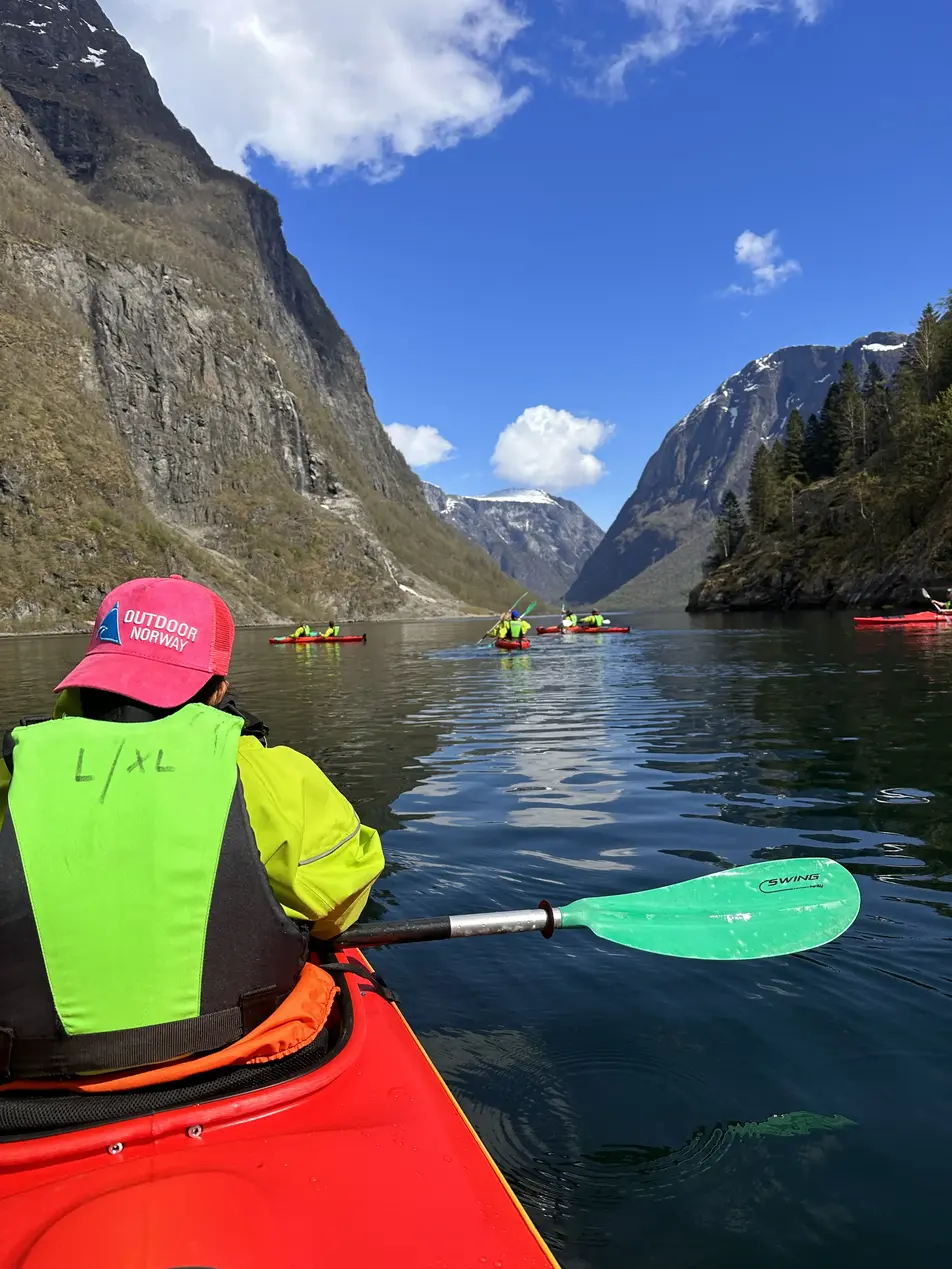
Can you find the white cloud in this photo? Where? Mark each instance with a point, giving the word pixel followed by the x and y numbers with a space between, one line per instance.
pixel 420 446
pixel 672 25
pixel 552 449
pixel 761 254
pixel 327 83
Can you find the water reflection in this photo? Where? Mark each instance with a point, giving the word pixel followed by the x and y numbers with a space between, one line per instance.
pixel 594 766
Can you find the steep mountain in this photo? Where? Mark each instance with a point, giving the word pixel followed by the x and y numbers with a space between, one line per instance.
pixel 176 394
pixel 537 538
pixel 856 512
pixel 710 452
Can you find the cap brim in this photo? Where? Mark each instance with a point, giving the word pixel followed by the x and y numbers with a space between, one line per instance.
pixel 151 682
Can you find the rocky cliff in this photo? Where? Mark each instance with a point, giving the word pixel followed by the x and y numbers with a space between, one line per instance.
pixel 176 393
pixel 533 536
pixel 831 556
pixel 708 453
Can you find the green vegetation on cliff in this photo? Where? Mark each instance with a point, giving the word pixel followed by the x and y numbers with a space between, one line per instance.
pixel 850 507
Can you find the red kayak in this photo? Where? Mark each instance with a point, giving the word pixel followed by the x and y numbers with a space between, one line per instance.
pixel 907 619
pixel 321 639
pixel 583 630
pixel 350 1152
pixel 512 645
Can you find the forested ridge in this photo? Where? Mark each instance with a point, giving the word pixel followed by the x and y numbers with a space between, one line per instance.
pixel 850 505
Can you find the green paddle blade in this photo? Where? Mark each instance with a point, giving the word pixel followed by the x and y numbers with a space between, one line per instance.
pixel 742 914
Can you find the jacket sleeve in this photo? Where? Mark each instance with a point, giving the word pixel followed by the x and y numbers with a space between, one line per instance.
pixel 66 703
pixel 321 861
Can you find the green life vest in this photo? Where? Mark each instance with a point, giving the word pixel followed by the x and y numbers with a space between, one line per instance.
pixel 516 629
pixel 136 917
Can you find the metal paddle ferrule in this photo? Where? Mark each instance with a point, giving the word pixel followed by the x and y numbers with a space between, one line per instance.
pixel 545 919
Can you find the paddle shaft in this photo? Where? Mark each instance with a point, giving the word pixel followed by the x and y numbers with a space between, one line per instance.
pixel 502 615
pixel 943 612
pixel 429 929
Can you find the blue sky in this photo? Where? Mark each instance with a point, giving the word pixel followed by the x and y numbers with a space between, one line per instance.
pixel 579 255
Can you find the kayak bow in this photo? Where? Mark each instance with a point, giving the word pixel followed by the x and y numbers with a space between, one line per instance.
pixel 219 1182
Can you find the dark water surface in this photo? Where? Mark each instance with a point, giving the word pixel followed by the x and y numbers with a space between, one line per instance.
pixel 649 1111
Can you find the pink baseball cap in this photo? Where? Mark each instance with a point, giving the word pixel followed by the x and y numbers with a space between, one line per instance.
pixel 157 640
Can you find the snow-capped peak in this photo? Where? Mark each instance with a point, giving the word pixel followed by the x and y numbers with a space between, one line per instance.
pixel 515 495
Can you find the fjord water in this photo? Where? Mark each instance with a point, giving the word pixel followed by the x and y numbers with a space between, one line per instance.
pixel 649 1111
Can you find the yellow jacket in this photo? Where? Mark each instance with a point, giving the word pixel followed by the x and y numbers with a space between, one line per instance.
pixel 502 630
pixel 321 861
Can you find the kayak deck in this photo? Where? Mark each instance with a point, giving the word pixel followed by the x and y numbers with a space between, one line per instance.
pixel 321 639
pixel 512 645
pixel 365 1161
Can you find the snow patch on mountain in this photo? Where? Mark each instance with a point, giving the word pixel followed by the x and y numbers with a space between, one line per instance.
pixel 535 537
pixel 710 451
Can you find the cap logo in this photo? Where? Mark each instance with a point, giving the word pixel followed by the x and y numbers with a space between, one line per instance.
pixel 108 631
pixel 168 632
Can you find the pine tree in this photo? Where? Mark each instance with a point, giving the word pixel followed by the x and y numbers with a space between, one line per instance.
pixel 851 420
pixel 944 369
pixel 790 452
pixel 813 448
pixel 730 528
pixel 924 354
pixel 822 445
pixel 878 402
pixel 762 491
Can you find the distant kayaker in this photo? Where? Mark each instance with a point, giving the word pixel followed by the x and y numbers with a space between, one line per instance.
pixel 569 619
pixel 332 631
pixel 160 868
pixel 595 619
pixel 303 632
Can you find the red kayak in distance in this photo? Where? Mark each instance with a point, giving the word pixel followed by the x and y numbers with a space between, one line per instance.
pixel 321 639
pixel 354 1154
pixel 907 619
pixel 512 645
pixel 583 630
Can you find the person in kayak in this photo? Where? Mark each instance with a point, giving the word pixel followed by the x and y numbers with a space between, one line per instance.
pixel 594 619
pixel 140 817
pixel 303 631
pixel 569 619
pixel 512 627
pixel 332 631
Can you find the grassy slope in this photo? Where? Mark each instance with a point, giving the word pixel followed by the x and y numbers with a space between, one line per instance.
pixel 665 584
